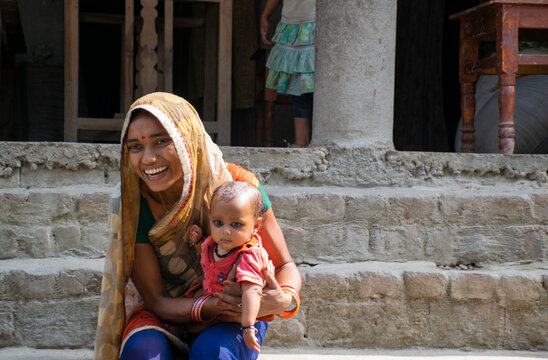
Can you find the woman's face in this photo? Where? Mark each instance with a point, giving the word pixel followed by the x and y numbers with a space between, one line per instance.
pixel 152 154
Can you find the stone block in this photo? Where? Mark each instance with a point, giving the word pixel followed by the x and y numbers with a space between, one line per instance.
pixel 93 208
pixel 37 207
pixel 325 288
pixel 46 178
pixel 499 209
pixel 8 336
pixel 361 325
pixel 12 204
pixel 58 324
pixel 67 238
pixel 13 180
pixel 327 242
pixel 428 286
pixel 94 242
pixel 400 242
pixel 321 208
pixel 378 286
pixel 19 284
pixel 284 205
pixel 8 243
pixel 474 286
pixel 540 207
pixel 500 243
pixel 441 244
pixel 286 333
pixel 35 241
pixel 464 324
pixel 79 282
pixel 526 328
pixel 415 209
pixel 520 290
pixel 370 208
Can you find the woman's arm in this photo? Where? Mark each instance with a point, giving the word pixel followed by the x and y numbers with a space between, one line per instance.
pixel 148 279
pixel 269 8
pixel 276 247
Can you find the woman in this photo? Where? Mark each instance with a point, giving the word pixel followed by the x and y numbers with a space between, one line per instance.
pixel 169 168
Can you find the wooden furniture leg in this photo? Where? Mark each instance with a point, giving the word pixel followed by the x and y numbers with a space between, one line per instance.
pixel 507 67
pixel 71 70
pixel 468 77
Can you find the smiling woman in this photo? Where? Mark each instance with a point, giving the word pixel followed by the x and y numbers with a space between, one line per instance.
pixel 150 299
pixel 153 157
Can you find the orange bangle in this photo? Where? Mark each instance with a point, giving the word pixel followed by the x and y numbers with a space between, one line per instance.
pixel 290 313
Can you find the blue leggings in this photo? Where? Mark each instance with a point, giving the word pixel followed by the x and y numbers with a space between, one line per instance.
pixel 223 341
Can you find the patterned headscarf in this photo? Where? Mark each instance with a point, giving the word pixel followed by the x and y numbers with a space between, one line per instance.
pixel 203 169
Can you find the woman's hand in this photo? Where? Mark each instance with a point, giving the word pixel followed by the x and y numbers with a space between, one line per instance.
pixel 217 308
pixel 273 299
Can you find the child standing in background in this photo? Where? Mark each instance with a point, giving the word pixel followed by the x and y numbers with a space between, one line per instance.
pixel 291 61
pixel 235 219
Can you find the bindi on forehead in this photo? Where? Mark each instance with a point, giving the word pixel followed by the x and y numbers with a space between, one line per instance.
pixel 143 137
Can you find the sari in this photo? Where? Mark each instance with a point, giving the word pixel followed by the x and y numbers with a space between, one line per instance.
pixel 203 170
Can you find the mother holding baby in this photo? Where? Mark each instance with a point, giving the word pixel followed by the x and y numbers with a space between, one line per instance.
pixel 169 169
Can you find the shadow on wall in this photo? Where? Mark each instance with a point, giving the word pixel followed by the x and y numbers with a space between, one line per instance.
pixel 530 115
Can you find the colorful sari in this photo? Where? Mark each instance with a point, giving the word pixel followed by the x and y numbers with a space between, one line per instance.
pixel 203 170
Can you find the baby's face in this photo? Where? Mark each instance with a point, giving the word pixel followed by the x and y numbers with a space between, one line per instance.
pixel 232 222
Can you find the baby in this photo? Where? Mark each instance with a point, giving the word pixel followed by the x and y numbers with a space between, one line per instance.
pixel 235 218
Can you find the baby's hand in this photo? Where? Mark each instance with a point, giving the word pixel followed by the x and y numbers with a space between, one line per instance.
pixel 250 339
pixel 194 233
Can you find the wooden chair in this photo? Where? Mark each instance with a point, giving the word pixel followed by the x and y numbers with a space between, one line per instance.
pixel 505 22
pixel 218 34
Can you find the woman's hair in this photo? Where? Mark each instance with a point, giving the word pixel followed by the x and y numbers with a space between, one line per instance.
pixel 233 189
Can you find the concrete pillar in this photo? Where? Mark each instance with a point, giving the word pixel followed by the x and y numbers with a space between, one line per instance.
pixel 354 74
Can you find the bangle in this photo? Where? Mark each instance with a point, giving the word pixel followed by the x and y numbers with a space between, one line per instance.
pixel 250 327
pixel 291 291
pixel 196 309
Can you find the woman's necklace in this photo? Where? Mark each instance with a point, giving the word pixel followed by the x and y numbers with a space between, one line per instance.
pixel 224 255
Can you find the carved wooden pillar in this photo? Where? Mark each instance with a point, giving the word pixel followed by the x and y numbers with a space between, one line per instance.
pixel 468 74
pixel 147 79
pixel 507 67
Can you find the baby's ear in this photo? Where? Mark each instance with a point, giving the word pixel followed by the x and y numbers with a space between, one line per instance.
pixel 258 224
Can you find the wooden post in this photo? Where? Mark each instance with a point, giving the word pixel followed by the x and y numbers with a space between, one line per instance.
pixel 148 41
pixel 71 70
pixel 128 55
pixel 507 67
pixel 224 81
pixel 468 59
pixel 168 46
pixel 210 61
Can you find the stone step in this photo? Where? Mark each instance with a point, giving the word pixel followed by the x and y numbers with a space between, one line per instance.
pixel 416 304
pixel 49 303
pixel 303 354
pixel 449 225
pixel 52 222
pixel 52 303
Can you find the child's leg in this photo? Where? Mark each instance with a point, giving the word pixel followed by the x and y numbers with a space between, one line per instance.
pixel 302 131
pixel 302 114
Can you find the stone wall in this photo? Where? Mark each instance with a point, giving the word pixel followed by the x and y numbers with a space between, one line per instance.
pixel 396 249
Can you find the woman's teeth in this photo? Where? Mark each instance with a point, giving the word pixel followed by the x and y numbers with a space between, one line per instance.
pixel 155 171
